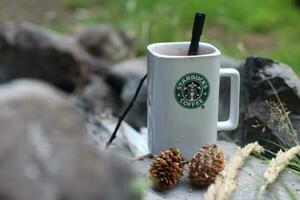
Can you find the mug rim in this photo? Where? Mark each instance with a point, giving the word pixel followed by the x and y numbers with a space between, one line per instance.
pixel 215 52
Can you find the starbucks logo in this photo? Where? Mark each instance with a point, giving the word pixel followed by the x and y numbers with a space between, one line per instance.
pixel 192 90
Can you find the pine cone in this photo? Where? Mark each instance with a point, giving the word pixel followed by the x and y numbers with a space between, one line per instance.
pixel 206 165
pixel 166 169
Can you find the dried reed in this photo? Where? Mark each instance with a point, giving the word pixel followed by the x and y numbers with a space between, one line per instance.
pixel 276 165
pixel 226 181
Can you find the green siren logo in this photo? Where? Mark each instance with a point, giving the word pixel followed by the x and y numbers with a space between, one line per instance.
pixel 192 90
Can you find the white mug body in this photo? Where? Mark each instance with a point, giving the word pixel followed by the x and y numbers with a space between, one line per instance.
pixel 183 96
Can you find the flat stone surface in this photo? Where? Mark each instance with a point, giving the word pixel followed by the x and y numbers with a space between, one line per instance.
pixel 250 180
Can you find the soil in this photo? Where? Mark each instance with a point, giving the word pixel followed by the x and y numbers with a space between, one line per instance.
pixel 34 11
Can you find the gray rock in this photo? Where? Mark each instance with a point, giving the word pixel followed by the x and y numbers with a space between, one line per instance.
pixel 251 176
pixel 256 74
pixel 45 152
pixel 28 51
pixel 31 102
pixel 97 97
pixel 104 42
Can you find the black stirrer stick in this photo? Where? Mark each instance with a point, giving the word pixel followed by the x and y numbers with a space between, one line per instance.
pixel 197 32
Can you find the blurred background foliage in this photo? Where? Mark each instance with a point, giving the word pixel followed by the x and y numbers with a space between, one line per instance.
pixel 268 28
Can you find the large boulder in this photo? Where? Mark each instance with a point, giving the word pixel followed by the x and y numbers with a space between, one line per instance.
pixel 65 61
pixel 28 51
pixel 45 152
pixel 261 80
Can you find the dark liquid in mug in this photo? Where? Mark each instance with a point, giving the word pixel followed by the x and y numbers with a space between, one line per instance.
pixel 183 51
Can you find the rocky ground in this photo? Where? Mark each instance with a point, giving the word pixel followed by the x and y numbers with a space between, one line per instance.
pixel 58 96
pixel 249 181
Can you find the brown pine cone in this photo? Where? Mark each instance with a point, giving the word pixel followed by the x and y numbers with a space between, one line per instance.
pixel 206 165
pixel 166 169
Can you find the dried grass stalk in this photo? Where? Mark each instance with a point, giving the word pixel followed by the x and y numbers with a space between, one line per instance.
pixel 276 165
pixel 282 111
pixel 279 120
pixel 226 181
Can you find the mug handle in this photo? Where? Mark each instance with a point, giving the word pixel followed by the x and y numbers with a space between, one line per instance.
pixel 232 122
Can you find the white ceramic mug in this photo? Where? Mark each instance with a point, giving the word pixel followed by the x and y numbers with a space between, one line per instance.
pixel 183 97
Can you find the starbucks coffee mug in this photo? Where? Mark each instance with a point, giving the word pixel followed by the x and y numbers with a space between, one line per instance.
pixel 183 97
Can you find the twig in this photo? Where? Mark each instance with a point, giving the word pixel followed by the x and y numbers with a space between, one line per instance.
pixel 121 118
pixel 282 108
pixel 226 181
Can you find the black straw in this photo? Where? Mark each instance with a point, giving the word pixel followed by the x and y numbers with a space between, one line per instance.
pixel 197 32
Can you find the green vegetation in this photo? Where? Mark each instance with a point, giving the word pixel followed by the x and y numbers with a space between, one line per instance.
pixel 239 28
pixel 289 191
